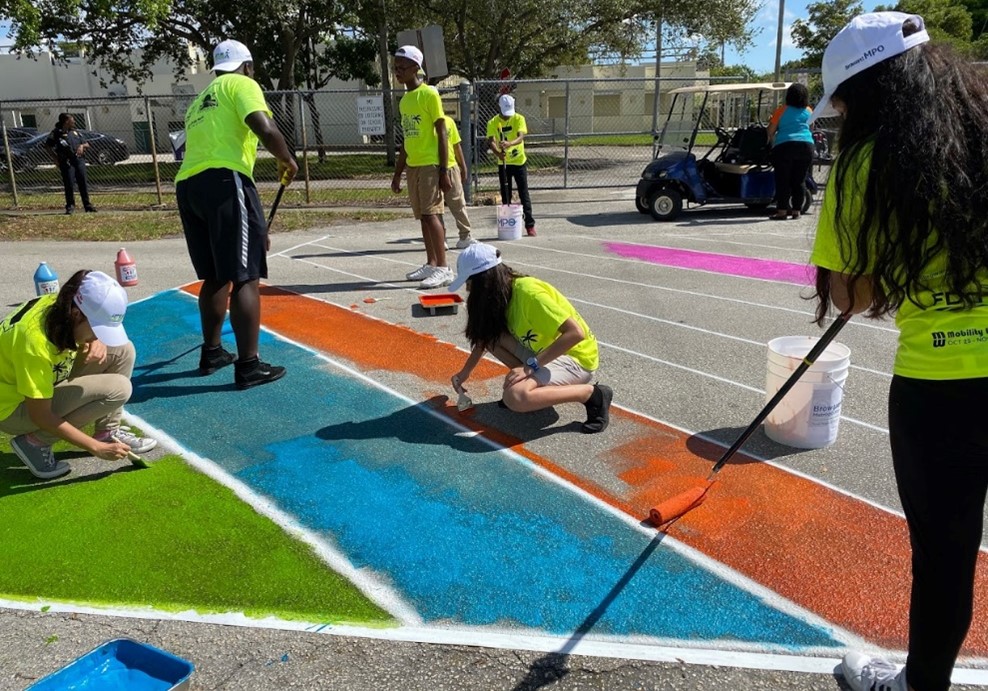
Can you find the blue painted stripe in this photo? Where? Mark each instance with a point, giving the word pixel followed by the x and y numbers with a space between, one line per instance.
pixel 466 534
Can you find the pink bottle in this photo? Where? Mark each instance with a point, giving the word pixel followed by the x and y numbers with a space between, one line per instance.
pixel 126 269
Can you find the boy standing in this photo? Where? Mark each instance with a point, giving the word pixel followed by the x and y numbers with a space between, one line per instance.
pixel 506 138
pixel 455 199
pixel 425 153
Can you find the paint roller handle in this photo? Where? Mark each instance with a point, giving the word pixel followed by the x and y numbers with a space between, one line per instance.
pixel 274 207
pixel 829 335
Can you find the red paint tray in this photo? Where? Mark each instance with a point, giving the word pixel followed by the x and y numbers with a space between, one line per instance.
pixel 441 301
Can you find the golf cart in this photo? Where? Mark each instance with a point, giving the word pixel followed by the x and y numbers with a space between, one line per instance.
pixel 734 169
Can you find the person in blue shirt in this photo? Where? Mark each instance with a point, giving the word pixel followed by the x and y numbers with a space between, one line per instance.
pixel 792 151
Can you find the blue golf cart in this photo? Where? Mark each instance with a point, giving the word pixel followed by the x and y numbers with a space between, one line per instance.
pixel 734 168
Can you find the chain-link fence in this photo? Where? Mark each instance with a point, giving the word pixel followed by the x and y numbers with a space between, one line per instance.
pixel 583 133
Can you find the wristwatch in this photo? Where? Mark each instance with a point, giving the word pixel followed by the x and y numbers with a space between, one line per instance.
pixel 532 363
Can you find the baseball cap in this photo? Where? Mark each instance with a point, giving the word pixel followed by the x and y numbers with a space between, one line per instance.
pixel 506 104
pixel 104 302
pixel 866 41
pixel 475 259
pixel 229 55
pixel 410 53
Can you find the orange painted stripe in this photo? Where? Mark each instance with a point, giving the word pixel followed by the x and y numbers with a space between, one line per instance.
pixel 834 555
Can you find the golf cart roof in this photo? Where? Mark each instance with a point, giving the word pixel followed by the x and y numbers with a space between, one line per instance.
pixel 715 88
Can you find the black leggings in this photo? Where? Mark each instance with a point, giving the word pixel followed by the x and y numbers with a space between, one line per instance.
pixel 792 162
pixel 940 453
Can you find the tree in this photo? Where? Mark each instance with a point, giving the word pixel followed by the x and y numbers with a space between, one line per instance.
pixel 277 32
pixel 531 37
pixel 826 19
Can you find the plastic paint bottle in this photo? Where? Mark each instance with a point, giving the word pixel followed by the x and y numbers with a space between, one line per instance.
pixel 45 280
pixel 126 268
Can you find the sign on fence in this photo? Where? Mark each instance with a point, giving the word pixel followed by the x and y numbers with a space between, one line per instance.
pixel 370 114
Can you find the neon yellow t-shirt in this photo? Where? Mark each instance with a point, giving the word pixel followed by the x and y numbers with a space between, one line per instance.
pixel 936 341
pixel 30 364
pixel 420 109
pixel 453 138
pixel 216 135
pixel 535 313
pixel 503 130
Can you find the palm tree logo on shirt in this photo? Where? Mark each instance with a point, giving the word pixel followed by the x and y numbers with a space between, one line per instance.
pixel 529 338
pixel 208 101
pixel 61 371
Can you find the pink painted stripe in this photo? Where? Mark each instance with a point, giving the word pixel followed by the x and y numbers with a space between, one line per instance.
pixel 748 267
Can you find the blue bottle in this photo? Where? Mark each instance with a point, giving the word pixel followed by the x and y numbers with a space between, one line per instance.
pixel 45 280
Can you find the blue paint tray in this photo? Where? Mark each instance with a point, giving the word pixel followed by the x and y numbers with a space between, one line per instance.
pixel 120 665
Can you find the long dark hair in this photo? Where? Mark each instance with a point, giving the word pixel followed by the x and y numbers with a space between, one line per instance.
pixel 61 318
pixel 487 305
pixel 924 114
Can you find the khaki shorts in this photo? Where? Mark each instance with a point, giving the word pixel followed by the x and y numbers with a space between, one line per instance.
pixel 563 371
pixel 424 192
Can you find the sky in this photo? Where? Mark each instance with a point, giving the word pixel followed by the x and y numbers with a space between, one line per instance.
pixel 761 56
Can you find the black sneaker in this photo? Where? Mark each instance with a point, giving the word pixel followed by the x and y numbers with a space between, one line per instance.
pixel 254 373
pixel 212 359
pixel 69 210
pixel 598 409
pixel 90 209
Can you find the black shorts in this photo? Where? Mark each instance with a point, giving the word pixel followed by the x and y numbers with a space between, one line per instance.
pixel 224 225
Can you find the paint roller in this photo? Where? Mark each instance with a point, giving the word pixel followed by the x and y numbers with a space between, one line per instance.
pixel 684 502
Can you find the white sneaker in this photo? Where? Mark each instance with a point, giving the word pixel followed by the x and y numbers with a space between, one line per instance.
pixel 866 673
pixel 419 273
pixel 465 242
pixel 441 276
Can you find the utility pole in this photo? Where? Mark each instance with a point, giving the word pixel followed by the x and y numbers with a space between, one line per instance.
pixel 778 41
pixel 385 58
pixel 657 101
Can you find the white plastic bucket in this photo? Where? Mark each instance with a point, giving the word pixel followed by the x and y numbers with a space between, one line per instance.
pixel 509 221
pixel 808 416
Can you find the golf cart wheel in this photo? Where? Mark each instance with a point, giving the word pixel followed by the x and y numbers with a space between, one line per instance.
pixel 807 199
pixel 665 204
pixel 641 203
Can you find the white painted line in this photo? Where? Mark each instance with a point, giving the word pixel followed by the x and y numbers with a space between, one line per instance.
pixel 716 653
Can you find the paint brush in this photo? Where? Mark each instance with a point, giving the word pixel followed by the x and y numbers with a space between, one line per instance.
pixel 463 402
pixel 134 459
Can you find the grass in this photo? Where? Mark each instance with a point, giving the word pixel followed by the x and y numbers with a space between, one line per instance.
pixel 153 225
pixel 144 199
pixel 167 537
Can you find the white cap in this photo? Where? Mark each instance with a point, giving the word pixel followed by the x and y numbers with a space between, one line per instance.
pixel 410 53
pixel 229 55
pixel 866 41
pixel 104 303
pixel 506 104
pixel 475 259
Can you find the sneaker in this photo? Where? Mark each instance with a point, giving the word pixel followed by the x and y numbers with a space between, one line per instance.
pixel 420 272
pixel 865 673
pixel 598 409
pixel 69 210
pixel 90 209
pixel 440 276
pixel 254 372
pixel 530 231
pixel 465 242
pixel 212 359
pixel 40 460
pixel 124 435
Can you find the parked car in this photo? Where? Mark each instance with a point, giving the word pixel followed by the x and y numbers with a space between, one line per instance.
pixel 103 149
pixel 16 135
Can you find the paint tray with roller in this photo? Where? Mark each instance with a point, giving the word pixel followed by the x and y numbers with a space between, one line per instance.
pixel 441 303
